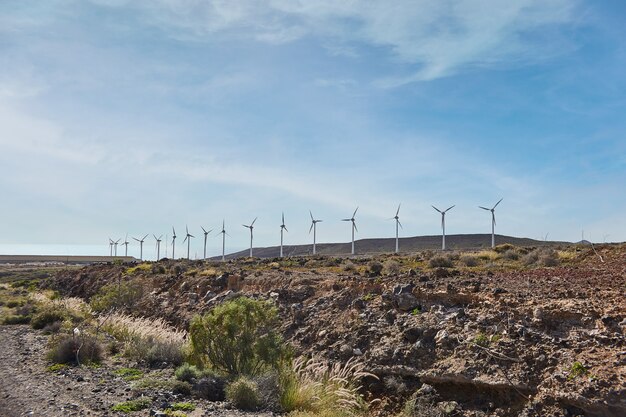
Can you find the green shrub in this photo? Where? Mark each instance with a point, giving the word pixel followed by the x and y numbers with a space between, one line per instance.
pixel 187 372
pixel 117 296
pixel 183 407
pixel 482 339
pixel 69 349
pixel 237 337
pixel 128 374
pixel 577 369
pixel 132 405
pixel 16 319
pixel 243 394
pixel 46 317
pixel 440 262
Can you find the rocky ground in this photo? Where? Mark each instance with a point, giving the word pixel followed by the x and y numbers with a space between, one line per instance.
pixel 497 339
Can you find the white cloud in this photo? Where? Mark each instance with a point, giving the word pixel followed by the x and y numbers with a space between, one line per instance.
pixel 435 38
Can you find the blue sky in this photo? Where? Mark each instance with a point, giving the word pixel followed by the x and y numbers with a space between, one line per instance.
pixel 132 116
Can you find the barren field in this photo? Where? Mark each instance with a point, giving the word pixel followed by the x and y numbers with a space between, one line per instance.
pixel 515 332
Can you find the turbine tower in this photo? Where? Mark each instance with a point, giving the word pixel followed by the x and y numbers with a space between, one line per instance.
pixel 116 243
pixel 493 222
pixel 251 226
pixel 173 241
pixel 443 226
pixel 125 243
pixel 141 246
pixel 158 246
pixel 282 228
pixel 111 247
pixel 351 219
pixel 397 219
pixel 313 227
pixel 223 233
pixel 188 239
pixel 205 235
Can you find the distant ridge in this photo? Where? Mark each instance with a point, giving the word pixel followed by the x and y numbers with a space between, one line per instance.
pixel 387 245
pixel 69 259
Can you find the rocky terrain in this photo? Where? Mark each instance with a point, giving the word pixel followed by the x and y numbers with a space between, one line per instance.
pixel 498 338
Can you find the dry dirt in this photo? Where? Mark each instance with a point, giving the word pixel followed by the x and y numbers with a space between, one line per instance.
pixel 486 341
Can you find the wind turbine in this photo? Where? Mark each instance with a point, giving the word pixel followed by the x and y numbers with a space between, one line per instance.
pixel 158 246
pixel 223 233
pixel 115 243
pixel 282 227
pixel 493 222
pixel 205 235
pixel 188 239
pixel 251 226
pixel 141 246
pixel 313 227
pixel 125 243
pixel 111 247
pixel 173 241
pixel 397 219
pixel 351 219
pixel 443 225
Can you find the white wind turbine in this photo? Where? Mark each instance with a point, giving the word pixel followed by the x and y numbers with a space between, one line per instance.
pixel 251 226
pixel 282 228
pixel 313 227
pixel 141 246
pixel 351 219
pixel 205 236
pixel 173 241
pixel 397 219
pixel 158 246
pixel 125 243
pixel 188 239
pixel 223 233
pixel 115 244
pixel 111 247
pixel 443 225
pixel 493 222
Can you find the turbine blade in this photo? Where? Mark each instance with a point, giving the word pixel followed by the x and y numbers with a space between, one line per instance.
pixel 155 238
pixel 252 224
pixel 398 211
pixel 354 214
pixel 136 239
pixel 311 214
pixel 283 218
pixel 186 230
pixel 144 238
pixel 355 228
pixel 311 228
pixel 173 231
pixel 346 220
pixel 400 224
pixel 286 229
pixel 436 208
pixel 450 207
pixel 191 236
pixel 185 239
pixel 319 221
pixel 484 208
pixel 160 237
pixel 498 202
pixel 201 227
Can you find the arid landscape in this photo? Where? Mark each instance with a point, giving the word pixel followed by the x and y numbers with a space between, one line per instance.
pixel 515 331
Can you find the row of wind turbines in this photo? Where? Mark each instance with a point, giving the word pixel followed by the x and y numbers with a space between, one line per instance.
pixel 283 228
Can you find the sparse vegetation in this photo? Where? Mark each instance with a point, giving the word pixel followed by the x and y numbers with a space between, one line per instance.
pixel 71 349
pixel 441 261
pixel 375 268
pixel 469 260
pixel 47 317
pixel 129 374
pixel 132 405
pixel 237 338
pixel 391 267
pixel 577 369
pixel 117 296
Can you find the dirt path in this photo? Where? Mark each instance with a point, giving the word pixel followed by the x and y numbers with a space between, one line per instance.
pixel 27 388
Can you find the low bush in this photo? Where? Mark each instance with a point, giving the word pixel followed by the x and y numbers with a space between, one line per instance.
pixel 469 260
pixel 47 317
pixel 348 266
pixel 440 261
pixel 237 338
pixel 69 349
pixel 187 372
pixel 504 247
pixel 375 268
pixel 129 374
pixel 510 255
pixel 117 296
pixel 391 267
pixel 182 407
pixel 132 405
pixel 16 319
pixel 542 257
pixel 243 394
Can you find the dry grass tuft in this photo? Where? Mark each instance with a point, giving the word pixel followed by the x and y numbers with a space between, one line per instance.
pixel 318 386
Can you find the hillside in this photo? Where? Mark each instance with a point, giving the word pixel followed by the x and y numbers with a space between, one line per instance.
pixel 387 245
